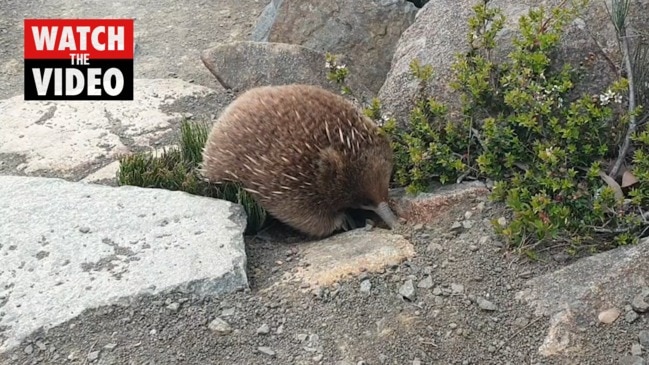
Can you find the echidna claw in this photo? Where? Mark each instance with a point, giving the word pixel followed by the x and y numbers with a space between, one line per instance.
pixel 348 223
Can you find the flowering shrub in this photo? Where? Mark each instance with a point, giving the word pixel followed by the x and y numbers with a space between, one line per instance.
pixel 524 127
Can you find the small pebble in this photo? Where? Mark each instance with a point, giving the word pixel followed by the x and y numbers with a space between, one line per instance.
pixel 280 329
pixel 426 283
pixel 94 355
pixel 266 350
pixel 643 337
pixel 174 307
pixel 640 303
pixel 456 227
pixel 502 221
pixel 366 286
pixel 486 305
pixel 41 346
pixel 302 337
pixel 318 358
pixel 609 316
pixel 521 322
pixel 227 312
pixel 263 330
pixel 434 247
pixel 110 346
pixel 631 316
pixel 467 224
pixel 219 326
pixel 473 248
pixel 84 229
pixel 457 289
pixel 636 349
pixel 437 291
pixel 29 349
pixel 407 290
pixel 416 361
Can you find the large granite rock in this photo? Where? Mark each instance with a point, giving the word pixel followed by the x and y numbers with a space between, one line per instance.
pixel 75 139
pixel 67 246
pixel 243 65
pixel 365 31
pixel 436 37
pixel 606 284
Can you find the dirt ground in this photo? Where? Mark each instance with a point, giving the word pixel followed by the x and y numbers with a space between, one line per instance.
pixel 463 311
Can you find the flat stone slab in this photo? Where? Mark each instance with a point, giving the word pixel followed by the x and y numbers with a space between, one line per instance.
pixel 329 260
pixel 429 207
pixel 72 139
pixel 68 246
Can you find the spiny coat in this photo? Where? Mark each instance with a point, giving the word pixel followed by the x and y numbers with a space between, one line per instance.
pixel 305 154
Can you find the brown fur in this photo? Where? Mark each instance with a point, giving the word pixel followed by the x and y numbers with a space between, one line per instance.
pixel 304 153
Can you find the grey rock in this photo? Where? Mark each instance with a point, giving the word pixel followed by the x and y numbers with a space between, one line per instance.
pixel 407 290
pixel 434 247
pixel 264 329
pixel 29 349
pixel 244 65
pixel 640 302
pixel 174 307
pixel 110 346
pixel 631 316
pixel 366 31
pixel 227 312
pixel 631 360
pixel 84 140
pixel 266 19
pixel 571 294
pixel 435 38
pixel 128 252
pixel 636 349
pixel 302 337
pixel 485 304
pixel 41 346
pixel 457 289
pixel 643 337
pixel 93 355
pixel 266 350
pixel 366 286
pixel 426 283
pixel 456 227
pixel 220 326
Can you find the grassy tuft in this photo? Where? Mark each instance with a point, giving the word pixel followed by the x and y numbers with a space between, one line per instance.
pixel 177 169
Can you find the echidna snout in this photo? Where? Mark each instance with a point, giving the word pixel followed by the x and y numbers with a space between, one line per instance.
pixel 383 210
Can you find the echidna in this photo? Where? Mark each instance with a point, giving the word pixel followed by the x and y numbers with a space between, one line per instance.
pixel 305 154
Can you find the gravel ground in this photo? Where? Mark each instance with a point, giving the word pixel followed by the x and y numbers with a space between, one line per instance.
pixel 451 304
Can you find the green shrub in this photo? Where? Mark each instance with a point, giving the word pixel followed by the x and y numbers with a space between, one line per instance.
pixel 524 126
pixel 177 169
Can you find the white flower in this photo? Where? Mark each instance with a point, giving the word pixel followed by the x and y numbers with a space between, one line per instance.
pixel 606 97
pixel 618 98
pixel 327 64
pixel 340 67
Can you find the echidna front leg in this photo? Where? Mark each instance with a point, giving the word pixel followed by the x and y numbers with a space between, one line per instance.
pixel 347 223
